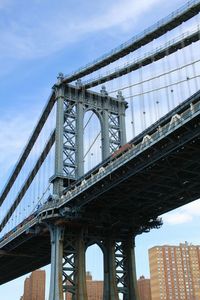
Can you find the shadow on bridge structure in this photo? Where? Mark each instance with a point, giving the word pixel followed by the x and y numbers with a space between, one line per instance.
pixel 108 202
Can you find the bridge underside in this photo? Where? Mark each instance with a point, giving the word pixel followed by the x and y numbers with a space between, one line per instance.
pixel 28 253
pixel 161 178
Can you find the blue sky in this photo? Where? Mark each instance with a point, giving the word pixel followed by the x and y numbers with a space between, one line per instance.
pixel 40 38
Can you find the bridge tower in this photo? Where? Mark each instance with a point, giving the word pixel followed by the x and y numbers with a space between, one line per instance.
pixel 72 103
pixel 68 242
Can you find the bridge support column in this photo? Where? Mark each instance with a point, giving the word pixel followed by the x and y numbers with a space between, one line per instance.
pixel 130 280
pixel 74 267
pixel 81 271
pixel 110 286
pixel 56 286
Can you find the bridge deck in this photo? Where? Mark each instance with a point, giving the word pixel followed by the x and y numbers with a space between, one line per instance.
pixel 162 176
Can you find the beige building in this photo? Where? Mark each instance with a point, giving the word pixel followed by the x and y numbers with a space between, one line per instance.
pixel 34 286
pixel 144 289
pixel 175 272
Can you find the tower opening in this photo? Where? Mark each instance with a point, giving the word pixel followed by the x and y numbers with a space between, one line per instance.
pixel 92 140
pixel 94 274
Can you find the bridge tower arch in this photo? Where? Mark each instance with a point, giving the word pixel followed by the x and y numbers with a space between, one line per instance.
pixel 72 104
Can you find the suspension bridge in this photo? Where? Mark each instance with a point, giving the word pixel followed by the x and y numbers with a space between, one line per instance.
pixel 116 146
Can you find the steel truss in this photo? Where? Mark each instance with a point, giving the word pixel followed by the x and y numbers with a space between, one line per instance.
pixel 74 280
pixel 125 269
pixel 69 141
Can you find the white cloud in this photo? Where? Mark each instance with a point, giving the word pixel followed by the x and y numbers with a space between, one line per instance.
pixel 14 134
pixel 17 126
pixel 119 15
pixel 185 214
pixel 27 38
pixel 15 129
pixel 193 208
pixel 177 218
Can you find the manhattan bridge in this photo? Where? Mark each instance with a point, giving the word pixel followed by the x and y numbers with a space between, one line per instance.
pixel 116 146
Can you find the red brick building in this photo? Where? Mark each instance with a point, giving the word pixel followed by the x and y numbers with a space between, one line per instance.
pixel 144 288
pixel 94 288
pixel 34 286
pixel 27 289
